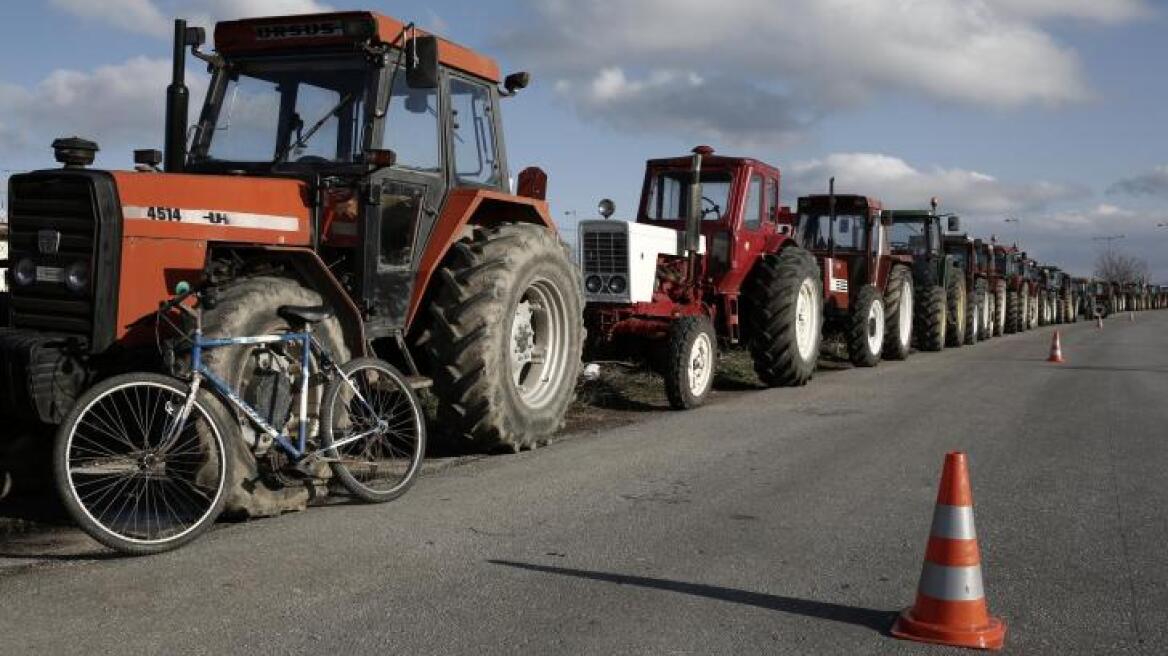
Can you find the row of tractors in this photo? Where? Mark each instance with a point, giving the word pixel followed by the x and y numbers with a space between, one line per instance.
pixel 714 260
pixel 354 160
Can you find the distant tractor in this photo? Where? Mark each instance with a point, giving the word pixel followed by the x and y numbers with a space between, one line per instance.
pixel 868 290
pixel 709 260
pixel 967 257
pixel 1031 288
pixel 940 312
pixel 1000 262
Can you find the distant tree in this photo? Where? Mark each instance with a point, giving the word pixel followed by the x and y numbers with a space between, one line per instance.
pixel 1114 266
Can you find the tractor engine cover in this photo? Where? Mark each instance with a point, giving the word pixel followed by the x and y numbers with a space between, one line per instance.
pixel 619 259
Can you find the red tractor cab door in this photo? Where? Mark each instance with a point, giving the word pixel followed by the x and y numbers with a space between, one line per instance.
pixel 750 231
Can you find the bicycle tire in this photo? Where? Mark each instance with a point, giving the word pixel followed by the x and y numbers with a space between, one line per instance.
pixel 110 450
pixel 404 440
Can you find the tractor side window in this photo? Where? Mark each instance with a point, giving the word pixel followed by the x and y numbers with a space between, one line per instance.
pixel 475 159
pixel 400 207
pixel 752 216
pixel 772 200
pixel 411 127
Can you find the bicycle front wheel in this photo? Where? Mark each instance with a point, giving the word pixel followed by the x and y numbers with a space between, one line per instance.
pixel 134 479
pixel 373 430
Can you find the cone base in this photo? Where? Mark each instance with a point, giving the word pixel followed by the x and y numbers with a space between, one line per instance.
pixel 990 636
pixel 1055 359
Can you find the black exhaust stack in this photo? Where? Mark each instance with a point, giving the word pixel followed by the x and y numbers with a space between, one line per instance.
pixel 178 96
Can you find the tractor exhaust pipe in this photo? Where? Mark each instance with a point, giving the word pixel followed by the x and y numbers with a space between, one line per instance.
pixel 178 95
pixel 693 219
pixel 831 214
pixel 177 101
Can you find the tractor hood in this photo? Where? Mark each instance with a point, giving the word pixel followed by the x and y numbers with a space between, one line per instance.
pixel 619 259
pixel 212 208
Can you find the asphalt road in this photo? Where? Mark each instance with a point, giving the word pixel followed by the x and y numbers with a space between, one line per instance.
pixel 784 521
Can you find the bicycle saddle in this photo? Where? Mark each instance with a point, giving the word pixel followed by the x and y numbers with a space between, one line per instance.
pixel 304 314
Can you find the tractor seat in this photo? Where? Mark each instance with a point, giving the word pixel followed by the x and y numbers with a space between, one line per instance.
pixel 304 314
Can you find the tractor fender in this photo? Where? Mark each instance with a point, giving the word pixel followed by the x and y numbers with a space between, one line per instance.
pixel 312 272
pixel 467 207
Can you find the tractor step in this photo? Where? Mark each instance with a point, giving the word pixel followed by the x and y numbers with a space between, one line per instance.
pixel 419 382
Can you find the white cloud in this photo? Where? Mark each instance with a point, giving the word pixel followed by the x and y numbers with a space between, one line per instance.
pixel 1107 11
pixel 900 184
pixel 809 56
pixel 155 17
pixel 119 105
pixel 141 16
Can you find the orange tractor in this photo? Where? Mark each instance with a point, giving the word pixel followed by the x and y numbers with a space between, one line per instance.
pixel 345 159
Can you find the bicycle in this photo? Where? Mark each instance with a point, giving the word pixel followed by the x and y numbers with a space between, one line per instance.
pixel 143 462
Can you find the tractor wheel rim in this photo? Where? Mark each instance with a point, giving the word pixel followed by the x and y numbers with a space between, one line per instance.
pixel 701 364
pixel 875 327
pixel 904 314
pixel 806 320
pixel 538 342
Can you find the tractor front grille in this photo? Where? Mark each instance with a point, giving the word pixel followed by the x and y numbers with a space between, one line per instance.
pixel 606 252
pixel 57 219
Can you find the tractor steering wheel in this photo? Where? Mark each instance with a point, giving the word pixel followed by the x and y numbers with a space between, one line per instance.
pixel 714 207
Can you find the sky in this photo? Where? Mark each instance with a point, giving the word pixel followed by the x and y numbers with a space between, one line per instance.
pixel 1053 112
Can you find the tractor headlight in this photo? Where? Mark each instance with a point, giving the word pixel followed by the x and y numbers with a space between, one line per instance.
pixel 593 284
pixel 24 273
pixel 77 277
pixel 617 284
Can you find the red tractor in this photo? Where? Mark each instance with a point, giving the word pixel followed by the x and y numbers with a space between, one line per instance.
pixel 345 159
pixel 867 289
pixel 709 259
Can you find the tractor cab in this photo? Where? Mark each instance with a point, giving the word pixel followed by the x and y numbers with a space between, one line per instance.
pixel 846 233
pixel 1006 261
pixel 737 205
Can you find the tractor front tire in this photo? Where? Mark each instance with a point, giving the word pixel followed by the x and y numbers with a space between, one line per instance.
pixel 690 362
pixel 866 328
pixel 898 307
pixel 244 308
pixel 504 337
pixel 783 316
pixel 1013 313
pixel 973 317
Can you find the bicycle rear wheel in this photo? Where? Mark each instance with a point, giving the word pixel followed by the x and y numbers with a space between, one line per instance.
pixel 131 478
pixel 373 430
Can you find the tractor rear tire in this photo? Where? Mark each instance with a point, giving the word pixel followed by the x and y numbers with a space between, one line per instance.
pixel 930 319
pixel 955 318
pixel 243 308
pixel 783 317
pixel 866 328
pixel 1013 313
pixel 972 317
pixel 898 308
pixel 691 361
pixel 1000 309
pixel 504 293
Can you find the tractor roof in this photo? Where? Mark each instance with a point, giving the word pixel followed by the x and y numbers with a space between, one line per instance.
pixel 332 31
pixel 710 161
pixel 912 215
pixel 843 200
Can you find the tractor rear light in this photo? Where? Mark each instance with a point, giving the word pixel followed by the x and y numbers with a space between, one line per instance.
pixel 77 277
pixel 594 284
pixel 24 273
pixel 617 285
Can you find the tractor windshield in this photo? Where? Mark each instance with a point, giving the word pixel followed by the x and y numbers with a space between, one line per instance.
pixel 669 195
pixel 287 110
pixel 851 232
pixel 908 236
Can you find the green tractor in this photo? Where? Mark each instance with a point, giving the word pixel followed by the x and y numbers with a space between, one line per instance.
pixel 941 299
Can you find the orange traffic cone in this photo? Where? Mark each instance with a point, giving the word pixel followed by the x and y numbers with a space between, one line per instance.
pixel 951 608
pixel 1056 349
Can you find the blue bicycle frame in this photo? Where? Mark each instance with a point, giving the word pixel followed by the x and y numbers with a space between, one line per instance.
pixel 308 344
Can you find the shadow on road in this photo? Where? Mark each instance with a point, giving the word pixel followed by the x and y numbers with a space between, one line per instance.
pixel 877 620
pixel 1145 370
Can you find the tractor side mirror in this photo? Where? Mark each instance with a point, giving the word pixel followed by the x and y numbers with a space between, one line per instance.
pixel 422 62
pixel 606 208
pixel 516 82
pixel 954 224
